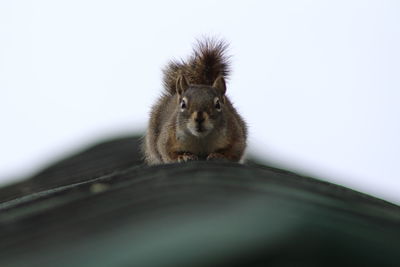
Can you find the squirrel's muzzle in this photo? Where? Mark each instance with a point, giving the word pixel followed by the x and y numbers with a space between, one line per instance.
pixel 199 116
pixel 200 122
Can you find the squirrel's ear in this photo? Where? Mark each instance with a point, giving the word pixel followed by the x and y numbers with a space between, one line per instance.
pixel 181 84
pixel 220 85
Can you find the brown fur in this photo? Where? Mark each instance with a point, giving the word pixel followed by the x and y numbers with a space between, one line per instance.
pixel 194 119
pixel 208 61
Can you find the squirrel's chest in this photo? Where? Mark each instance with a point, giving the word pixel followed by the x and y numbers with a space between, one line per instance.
pixel 201 147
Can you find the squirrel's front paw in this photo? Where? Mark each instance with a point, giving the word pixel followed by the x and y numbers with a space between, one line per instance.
pixel 216 156
pixel 187 157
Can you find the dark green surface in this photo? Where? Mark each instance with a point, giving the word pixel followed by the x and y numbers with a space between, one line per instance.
pixel 103 208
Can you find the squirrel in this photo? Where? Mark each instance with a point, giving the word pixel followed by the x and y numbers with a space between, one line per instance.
pixel 194 119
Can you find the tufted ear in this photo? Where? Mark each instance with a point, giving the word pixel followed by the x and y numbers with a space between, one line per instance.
pixel 220 85
pixel 181 84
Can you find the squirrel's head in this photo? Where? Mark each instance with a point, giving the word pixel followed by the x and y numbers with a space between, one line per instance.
pixel 201 108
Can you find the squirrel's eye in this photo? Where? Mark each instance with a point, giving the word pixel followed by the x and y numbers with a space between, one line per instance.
pixel 217 105
pixel 183 104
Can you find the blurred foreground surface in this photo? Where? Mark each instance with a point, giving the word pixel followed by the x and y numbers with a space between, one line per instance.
pixel 102 207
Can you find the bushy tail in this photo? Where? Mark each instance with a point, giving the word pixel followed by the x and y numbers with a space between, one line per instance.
pixel 207 62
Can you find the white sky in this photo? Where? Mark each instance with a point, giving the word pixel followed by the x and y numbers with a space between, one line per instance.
pixel 317 81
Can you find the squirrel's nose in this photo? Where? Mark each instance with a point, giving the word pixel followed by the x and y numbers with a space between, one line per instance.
pixel 199 117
